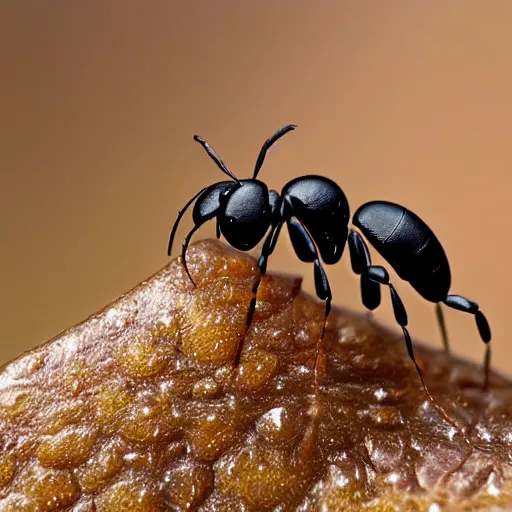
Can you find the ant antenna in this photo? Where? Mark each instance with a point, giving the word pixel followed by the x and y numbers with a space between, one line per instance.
pixel 268 143
pixel 213 155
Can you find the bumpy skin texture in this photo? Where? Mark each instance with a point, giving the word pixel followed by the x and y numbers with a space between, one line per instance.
pixel 139 409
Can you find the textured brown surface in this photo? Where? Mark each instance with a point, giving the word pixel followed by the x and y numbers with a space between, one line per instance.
pixel 139 409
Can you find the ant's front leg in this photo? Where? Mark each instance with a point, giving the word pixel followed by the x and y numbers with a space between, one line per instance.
pixel 279 211
pixel 268 248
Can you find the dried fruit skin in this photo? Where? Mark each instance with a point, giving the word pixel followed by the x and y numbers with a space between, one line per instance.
pixel 139 408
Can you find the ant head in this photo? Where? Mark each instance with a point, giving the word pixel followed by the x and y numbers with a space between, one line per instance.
pixel 243 207
pixel 245 214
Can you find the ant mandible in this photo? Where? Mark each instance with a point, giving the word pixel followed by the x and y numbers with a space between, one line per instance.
pixel 317 214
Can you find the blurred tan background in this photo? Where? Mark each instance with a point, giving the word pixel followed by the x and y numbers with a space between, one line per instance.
pixel 407 101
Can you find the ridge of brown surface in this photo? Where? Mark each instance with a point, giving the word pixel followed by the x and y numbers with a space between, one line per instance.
pixel 139 408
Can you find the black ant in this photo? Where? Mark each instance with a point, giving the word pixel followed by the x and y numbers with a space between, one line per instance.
pixel 317 214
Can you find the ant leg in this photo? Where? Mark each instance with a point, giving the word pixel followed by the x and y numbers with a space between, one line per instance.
pixel 217 228
pixel 323 291
pixel 184 251
pixel 380 275
pixel 306 251
pixel 442 327
pixel 266 251
pixel 360 259
pixel 278 211
pixel 468 306
pixel 177 221
pixel 268 248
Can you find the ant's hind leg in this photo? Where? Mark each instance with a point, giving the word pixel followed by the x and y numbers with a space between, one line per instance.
pixel 380 275
pixel 442 327
pixel 305 249
pixel 468 306
pixel 278 210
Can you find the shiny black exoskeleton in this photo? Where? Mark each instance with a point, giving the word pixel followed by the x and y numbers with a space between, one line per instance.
pixel 317 215
pixel 244 209
pixel 416 255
